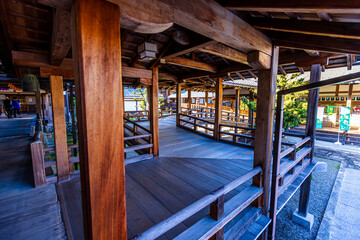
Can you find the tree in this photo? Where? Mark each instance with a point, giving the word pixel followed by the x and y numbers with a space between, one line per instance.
pixel 143 98
pixel 295 104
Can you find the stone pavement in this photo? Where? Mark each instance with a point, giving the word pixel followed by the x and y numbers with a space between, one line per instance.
pixel 342 215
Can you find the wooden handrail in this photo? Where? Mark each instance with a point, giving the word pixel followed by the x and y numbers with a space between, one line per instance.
pixel 234 126
pixel 190 210
pixel 137 125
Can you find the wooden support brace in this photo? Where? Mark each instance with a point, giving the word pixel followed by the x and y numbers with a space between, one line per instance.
pixel 217 212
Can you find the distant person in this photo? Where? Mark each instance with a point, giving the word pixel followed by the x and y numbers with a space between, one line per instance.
pixel 16 106
pixel 8 107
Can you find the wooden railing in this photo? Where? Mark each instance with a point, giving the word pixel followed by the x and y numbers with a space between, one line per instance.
pixel 238 135
pixel 38 153
pixel 197 124
pixel 139 139
pixel 220 213
pixel 139 116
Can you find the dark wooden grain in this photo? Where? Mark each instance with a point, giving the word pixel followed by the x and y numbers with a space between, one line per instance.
pixel 218 107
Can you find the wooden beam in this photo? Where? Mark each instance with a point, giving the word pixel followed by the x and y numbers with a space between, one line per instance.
pixel 320 43
pixel 305 6
pixel 259 60
pixel 61 36
pixel 210 19
pixel 178 103
pixel 264 127
pixel 226 52
pixel 154 111
pixel 322 60
pixel 132 72
pixel 37 157
pixel 329 29
pixel 282 70
pixel 60 136
pixel 196 45
pixel 97 54
pixel 312 53
pixel 188 63
pixel 324 16
pixel 62 4
pixel 38 102
pixel 218 107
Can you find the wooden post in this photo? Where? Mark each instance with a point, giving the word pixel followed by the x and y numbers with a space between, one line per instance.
pixel 178 103
pixel 189 99
pixel 217 212
pixel 310 130
pixel 154 111
pixel 218 108
pixel 96 49
pixel 37 156
pixel 206 98
pixel 264 127
pixel 38 102
pixel 237 104
pixel 349 97
pixel 58 110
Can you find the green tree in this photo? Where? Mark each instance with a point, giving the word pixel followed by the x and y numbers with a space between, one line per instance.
pixel 143 98
pixel 295 104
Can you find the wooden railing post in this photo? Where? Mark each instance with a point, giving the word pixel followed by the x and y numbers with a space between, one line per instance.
pixel 313 98
pixel 189 99
pixel 264 127
pixel 37 156
pixel 218 108
pixel 178 103
pixel 276 164
pixel 217 212
pixel 60 136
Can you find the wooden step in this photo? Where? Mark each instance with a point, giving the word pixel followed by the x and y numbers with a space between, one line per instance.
pixel 138 158
pixel 137 147
pixel 137 137
pixel 256 229
pixel 294 186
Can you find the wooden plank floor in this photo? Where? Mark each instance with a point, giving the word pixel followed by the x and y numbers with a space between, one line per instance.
pixel 25 212
pixel 190 166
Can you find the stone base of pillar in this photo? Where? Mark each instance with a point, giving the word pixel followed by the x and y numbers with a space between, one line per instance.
pixel 305 221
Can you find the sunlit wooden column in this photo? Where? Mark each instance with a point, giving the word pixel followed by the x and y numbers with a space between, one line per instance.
pixel 178 103
pixel 264 127
pixel 218 107
pixel 60 136
pixel 154 110
pixel 206 98
pixel 97 64
pixel 189 99
pixel 349 97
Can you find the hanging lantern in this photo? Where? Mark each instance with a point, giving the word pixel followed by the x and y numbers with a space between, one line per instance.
pixel 30 83
pixel 147 51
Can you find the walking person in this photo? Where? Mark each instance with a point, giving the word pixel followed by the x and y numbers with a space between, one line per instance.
pixel 8 107
pixel 16 106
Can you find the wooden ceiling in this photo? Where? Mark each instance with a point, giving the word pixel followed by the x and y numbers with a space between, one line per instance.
pixel 36 38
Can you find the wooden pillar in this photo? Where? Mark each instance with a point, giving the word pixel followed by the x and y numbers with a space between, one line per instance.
pixel 237 105
pixel 206 98
pixel 218 108
pixel 60 136
pixel 73 118
pixel 189 99
pixel 349 97
pixel 264 127
pixel 310 130
pixel 154 110
pixel 96 49
pixel 178 103
pixel 251 112
pixel 38 102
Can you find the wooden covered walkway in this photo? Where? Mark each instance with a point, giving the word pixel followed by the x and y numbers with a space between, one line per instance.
pixel 25 212
pixel 189 167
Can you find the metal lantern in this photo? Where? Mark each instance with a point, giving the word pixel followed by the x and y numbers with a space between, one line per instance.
pixel 147 51
pixel 30 83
